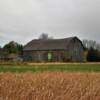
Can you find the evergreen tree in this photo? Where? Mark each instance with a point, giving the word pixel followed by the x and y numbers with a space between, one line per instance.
pixel 13 47
pixel 93 55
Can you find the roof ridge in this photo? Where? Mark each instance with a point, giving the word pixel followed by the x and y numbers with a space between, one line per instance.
pixel 39 44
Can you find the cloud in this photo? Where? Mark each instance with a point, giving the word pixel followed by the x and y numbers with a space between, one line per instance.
pixel 23 20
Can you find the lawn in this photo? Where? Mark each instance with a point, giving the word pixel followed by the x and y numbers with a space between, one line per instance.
pixel 51 67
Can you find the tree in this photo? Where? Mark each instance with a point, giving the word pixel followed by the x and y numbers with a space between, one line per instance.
pixel 91 44
pixel 13 47
pixel 44 36
pixel 97 46
pixel 20 48
pixel 93 55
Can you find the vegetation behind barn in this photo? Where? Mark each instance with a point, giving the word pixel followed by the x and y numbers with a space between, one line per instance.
pixel 13 51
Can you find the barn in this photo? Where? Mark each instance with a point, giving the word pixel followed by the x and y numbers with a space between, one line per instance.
pixel 56 50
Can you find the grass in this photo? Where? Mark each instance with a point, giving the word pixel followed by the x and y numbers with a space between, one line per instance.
pixel 51 67
pixel 18 82
pixel 50 86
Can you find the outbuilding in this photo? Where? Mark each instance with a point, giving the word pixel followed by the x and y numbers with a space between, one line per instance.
pixel 56 50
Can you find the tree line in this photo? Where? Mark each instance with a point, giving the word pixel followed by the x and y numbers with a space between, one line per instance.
pixel 12 48
pixel 93 50
pixel 91 47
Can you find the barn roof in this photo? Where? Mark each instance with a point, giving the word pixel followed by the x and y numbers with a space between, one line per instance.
pixel 50 44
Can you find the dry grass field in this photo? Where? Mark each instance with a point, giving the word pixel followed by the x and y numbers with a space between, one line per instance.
pixel 50 86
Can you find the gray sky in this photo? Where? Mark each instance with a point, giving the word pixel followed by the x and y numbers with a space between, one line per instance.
pixel 24 20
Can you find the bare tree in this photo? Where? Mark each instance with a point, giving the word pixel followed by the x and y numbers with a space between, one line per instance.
pixel 98 46
pixel 91 44
pixel 85 43
pixel 44 36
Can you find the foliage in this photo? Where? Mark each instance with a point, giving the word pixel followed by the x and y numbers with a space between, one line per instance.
pixel 44 36
pixel 93 49
pixel 93 55
pixel 13 47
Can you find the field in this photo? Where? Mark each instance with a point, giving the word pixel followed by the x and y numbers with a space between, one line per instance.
pixel 50 86
pixel 50 82
pixel 75 67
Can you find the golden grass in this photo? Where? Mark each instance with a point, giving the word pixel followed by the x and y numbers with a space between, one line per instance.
pixel 60 63
pixel 50 86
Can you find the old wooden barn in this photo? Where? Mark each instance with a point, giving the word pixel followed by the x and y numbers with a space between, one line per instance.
pixel 58 50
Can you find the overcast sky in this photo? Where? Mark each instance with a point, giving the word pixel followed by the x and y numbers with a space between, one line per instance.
pixel 24 20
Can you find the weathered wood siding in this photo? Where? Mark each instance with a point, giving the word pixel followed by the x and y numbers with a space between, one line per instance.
pixel 43 55
pixel 76 51
pixel 73 52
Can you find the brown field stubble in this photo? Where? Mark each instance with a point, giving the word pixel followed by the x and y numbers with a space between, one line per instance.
pixel 50 86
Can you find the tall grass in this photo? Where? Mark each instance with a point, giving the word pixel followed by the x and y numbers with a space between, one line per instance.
pixel 50 86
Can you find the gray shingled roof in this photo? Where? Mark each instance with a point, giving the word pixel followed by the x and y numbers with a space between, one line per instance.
pixel 50 44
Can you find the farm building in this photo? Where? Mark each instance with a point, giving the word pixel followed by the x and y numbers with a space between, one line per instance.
pixel 67 49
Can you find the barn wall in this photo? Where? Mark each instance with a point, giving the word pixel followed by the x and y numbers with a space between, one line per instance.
pixel 33 56
pixel 73 52
pixel 43 55
pixel 76 50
